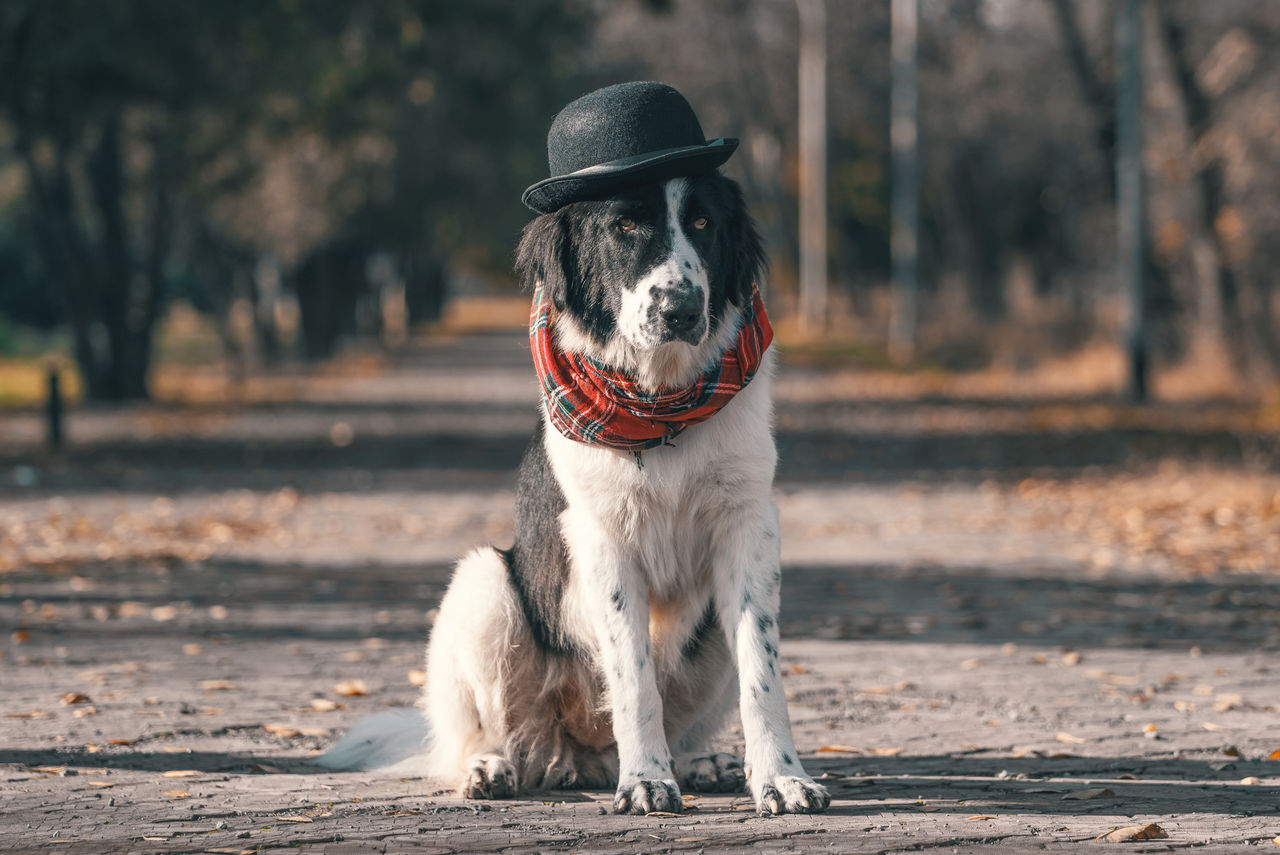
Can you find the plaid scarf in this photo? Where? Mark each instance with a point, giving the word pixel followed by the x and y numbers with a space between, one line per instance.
pixel 592 403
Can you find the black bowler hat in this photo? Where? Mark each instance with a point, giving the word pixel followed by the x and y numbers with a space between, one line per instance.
pixel 619 136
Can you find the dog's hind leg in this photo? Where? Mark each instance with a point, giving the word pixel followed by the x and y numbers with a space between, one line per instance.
pixel 478 628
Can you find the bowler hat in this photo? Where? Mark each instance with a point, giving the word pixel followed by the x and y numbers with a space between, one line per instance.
pixel 620 136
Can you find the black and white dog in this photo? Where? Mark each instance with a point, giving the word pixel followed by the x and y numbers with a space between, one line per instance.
pixel 607 646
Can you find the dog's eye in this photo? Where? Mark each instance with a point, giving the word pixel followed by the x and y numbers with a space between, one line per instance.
pixel 700 223
pixel 627 224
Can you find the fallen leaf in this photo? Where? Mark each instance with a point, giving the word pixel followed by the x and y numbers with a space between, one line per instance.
pixel 839 749
pixel 313 731
pixel 1071 658
pixel 417 677
pixel 20 636
pixel 29 714
pixel 1251 781
pixel 1227 701
pixel 177 794
pixel 218 685
pixel 1082 795
pixel 74 698
pixel 285 731
pixel 1151 728
pixel 164 613
pixel 1274 755
pixel 662 813
pixel 886 752
pixel 799 669
pixel 180 773
pixel 191 649
pixel 323 705
pixel 1211 727
pixel 1133 832
pixel 294 818
pixel 876 690
pixel 1063 736
pixel 90 748
pixel 103 784
pixel 351 688
pixel 264 768
pixel 978 817
pixel 176 749
pixel 84 711
pixel 119 741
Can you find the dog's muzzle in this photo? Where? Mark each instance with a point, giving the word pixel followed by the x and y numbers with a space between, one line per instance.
pixel 680 314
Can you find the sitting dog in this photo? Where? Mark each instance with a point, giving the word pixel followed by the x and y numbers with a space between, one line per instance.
pixel 607 646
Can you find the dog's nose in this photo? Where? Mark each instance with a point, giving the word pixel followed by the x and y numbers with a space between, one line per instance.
pixel 682 310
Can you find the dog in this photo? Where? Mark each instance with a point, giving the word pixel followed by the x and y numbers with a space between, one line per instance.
pixel 639 600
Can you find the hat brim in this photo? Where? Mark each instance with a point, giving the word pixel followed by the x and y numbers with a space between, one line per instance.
pixel 600 181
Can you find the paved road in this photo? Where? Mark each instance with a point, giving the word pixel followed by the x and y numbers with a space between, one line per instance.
pixel 968 667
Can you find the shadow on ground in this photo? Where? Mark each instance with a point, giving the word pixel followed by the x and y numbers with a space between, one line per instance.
pixel 950 604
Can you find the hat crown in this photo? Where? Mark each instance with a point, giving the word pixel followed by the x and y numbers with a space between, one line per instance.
pixel 620 121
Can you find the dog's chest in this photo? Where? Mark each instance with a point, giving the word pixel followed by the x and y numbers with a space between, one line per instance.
pixel 675 504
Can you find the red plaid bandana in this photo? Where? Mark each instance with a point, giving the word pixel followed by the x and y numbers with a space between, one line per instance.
pixel 595 404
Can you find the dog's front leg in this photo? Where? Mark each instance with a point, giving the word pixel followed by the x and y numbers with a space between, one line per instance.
pixel 748 580
pixel 614 602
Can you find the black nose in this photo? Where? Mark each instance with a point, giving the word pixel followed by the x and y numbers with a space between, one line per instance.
pixel 682 311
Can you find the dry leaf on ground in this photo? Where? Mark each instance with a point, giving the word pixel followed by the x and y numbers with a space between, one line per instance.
pixel 74 698
pixel 180 773
pixel 351 688
pixel 177 794
pixel 839 749
pixel 1063 736
pixel 119 741
pixel 218 685
pixel 978 817
pixel 286 731
pixel 886 752
pixel 417 677
pixel 294 818
pixel 324 705
pixel 29 714
pixel 1133 832
pixel 1274 755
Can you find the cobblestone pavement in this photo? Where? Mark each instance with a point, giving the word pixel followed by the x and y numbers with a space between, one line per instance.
pixel 186 603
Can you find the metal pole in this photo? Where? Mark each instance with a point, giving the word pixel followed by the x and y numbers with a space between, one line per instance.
pixel 904 140
pixel 813 164
pixel 1130 213
pixel 54 433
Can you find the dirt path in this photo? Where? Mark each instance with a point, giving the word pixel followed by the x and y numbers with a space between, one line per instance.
pixel 996 634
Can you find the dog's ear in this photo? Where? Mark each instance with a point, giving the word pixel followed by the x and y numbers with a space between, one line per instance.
pixel 745 258
pixel 543 257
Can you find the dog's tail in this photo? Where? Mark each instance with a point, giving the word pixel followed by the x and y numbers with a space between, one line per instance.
pixel 394 741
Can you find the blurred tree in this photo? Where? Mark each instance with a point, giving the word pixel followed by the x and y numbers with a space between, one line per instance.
pixel 116 112
pixel 161 140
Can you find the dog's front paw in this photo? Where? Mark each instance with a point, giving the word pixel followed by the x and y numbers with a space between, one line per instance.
pixel 791 794
pixel 711 773
pixel 489 776
pixel 642 796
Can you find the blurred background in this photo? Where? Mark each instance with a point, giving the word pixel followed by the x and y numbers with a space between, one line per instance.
pixel 1023 258
pixel 268 185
